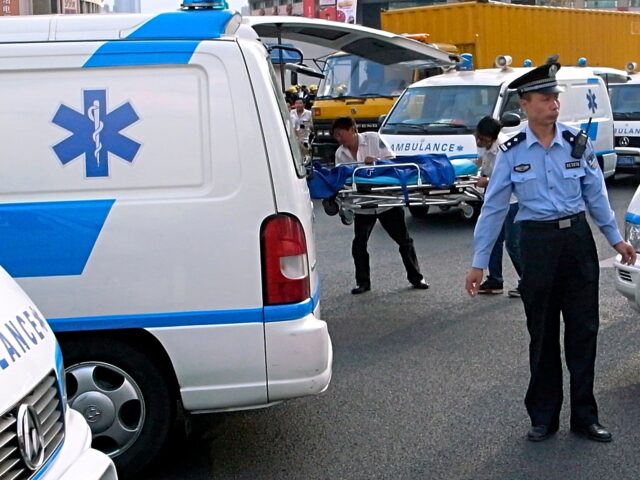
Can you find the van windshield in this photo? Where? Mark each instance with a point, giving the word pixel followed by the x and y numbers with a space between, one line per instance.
pixel 351 76
pixel 441 109
pixel 625 101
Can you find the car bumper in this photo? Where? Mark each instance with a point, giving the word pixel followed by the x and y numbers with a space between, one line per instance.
pixel 627 282
pixel 76 459
pixel 299 357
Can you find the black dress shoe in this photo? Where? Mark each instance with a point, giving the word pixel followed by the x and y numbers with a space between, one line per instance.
pixel 594 431
pixel 421 285
pixel 538 433
pixel 360 289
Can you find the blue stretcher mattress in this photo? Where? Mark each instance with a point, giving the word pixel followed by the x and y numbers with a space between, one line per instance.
pixel 461 167
pixel 435 169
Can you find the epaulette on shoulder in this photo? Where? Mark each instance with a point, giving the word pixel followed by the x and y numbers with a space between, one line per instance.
pixel 513 141
pixel 569 136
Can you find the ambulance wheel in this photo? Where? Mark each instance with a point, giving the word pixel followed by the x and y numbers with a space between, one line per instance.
pixel 124 397
pixel 419 211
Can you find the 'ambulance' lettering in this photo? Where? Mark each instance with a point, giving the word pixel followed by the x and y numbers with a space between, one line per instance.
pixel 22 333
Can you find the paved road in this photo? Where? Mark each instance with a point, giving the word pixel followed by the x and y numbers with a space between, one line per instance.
pixel 427 384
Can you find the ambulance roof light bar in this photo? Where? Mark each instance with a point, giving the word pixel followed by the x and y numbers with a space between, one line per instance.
pixel 631 67
pixel 503 61
pixel 204 5
pixel 527 63
pixel 582 62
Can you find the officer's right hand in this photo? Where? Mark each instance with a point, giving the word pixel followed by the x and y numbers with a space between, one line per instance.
pixel 473 280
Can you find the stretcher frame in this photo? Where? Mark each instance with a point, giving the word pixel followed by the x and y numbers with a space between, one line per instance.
pixel 353 197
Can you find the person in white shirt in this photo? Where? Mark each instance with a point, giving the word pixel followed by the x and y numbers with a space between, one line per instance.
pixel 366 148
pixel 487 140
pixel 303 124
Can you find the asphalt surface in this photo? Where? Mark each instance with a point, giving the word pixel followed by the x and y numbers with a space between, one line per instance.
pixel 426 384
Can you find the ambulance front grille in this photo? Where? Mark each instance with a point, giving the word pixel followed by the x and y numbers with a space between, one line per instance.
pixel 624 275
pixel 45 399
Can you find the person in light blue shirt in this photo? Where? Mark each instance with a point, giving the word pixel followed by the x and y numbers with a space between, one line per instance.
pixel 555 183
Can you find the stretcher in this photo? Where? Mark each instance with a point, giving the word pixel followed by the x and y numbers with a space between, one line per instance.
pixel 417 182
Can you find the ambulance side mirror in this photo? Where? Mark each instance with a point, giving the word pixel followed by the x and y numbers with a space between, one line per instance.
pixel 510 120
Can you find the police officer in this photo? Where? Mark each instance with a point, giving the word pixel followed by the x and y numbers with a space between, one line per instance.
pixel 555 183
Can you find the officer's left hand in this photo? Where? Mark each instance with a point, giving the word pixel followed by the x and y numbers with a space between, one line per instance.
pixel 627 252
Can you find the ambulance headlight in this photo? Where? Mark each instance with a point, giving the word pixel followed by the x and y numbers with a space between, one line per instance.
pixel 527 63
pixel 631 67
pixel 503 61
pixel 632 234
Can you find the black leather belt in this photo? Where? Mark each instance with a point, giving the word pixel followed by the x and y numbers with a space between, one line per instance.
pixel 558 223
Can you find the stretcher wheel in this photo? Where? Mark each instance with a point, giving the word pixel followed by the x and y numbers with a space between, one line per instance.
pixel 346 216
pixel 419 211
pixel 330 206
pixel 470 211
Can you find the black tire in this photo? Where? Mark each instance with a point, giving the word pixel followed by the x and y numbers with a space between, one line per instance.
pixel 419 211
pixel 152 417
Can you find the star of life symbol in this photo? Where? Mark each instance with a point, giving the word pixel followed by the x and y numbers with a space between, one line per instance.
pixel 96 133
pixel 591 101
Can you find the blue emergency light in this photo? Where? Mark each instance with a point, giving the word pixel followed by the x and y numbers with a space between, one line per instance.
pixel 527 63
pixel 205 4
pixel 466 62
pixel 582 62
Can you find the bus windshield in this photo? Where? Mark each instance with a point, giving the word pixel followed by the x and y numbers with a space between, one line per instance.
pixel 354 76
pixel 454 109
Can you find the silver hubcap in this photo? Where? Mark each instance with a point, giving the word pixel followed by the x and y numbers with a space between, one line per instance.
pixel 111 402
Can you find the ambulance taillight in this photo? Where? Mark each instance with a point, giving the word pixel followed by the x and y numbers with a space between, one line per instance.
pixel 285 265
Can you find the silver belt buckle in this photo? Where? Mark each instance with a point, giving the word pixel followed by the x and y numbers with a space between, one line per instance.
pixel 566 223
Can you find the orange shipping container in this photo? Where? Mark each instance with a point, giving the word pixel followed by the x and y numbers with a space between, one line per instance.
pixel 486 30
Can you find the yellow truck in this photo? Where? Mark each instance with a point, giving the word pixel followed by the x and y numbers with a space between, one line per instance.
pixel 487 30
pixel 366 89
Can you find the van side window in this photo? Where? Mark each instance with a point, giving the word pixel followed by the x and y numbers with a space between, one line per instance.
pixel 298 160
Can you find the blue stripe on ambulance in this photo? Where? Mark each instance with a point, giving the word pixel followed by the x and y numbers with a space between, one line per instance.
pixel 176 35
pixel 50 238
pixel 276 313
pixel 632 218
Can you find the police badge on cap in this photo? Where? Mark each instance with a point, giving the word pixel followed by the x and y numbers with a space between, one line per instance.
pixel 541 79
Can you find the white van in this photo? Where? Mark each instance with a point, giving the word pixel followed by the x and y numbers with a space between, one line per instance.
pixel 154 203
pixel 439 114
pixel 40 436
pixel 625 103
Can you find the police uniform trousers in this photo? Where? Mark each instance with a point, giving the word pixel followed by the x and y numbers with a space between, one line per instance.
pixel 560 275
pixel 392 221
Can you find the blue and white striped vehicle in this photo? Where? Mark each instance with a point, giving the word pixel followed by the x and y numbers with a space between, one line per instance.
pixel 154 204
pixel 40 436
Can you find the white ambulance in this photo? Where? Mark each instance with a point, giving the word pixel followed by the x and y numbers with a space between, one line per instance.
pixel 627 277
pixel 40 436
pixel 439 114
pixel 154 203
pixel 625 103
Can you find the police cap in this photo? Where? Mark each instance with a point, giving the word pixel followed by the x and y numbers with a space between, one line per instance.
pixel 541 79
